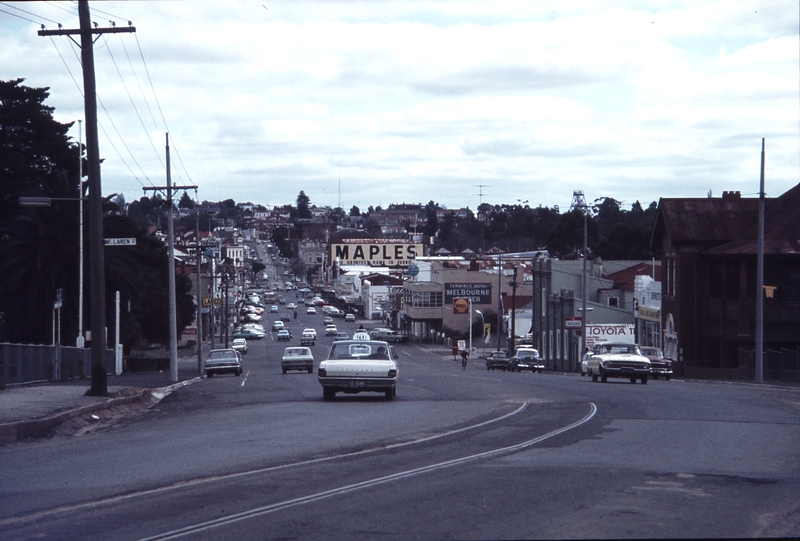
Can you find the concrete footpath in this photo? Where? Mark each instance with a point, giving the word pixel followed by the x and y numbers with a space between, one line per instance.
pixel 35 411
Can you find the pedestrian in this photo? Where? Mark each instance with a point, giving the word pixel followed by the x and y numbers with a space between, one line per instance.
pixel 464 357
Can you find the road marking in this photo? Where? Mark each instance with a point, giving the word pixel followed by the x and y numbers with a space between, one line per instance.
pixel 259 511
pixel 183 484
pixel 245 378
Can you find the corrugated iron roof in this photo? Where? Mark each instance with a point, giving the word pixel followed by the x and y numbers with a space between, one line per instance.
pixel 781 229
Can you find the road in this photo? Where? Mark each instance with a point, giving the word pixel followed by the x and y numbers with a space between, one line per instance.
pixel 472 454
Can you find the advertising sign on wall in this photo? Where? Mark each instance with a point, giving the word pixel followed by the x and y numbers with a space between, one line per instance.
pixel 376 254
pixel 479 293
pixel 610 332
pixel 461 306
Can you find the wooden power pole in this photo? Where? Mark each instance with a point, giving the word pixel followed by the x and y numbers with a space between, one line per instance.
pixel 96 260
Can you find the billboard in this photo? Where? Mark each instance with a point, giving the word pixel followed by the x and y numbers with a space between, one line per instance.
pixel 376 254
pixel 479 293
pixel 610 332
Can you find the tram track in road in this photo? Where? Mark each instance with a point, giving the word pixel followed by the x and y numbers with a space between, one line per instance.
pixel 253 493
pixel 374 481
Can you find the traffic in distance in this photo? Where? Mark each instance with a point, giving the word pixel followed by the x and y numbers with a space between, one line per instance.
pixel 369 363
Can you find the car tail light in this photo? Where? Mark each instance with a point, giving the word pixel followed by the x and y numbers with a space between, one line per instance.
pixel 322 372
pixel 393 373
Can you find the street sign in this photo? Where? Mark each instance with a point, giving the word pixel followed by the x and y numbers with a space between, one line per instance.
pixel 572 322
pixel 217 301
pixel 206 301
pixel 119 242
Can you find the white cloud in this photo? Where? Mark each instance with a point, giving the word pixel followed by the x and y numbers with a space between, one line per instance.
pixel 434 100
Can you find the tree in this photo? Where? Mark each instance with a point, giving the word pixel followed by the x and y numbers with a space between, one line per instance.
pixel 186 202
pixel 38 246
pixel 36 155
pixel 355 211
pixel 565 239
pixel 337 215
pixel 303 209
pixel 39 252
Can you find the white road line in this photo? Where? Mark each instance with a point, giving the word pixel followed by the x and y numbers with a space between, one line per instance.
pixel 183 484
pixel 259 511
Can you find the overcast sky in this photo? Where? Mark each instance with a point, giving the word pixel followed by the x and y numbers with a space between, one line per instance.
pixel 378 102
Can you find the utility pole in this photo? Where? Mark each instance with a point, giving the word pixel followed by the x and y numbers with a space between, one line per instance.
pixel 512 341
pixel 579 202
pixel 97 265
pixel 173 331
pixel 759 375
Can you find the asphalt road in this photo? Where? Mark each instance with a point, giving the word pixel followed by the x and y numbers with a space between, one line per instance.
pixel 472 454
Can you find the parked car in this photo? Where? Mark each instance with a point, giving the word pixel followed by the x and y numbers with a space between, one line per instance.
pixel 349 318
pixel 526 359
pixel 220 361
pixel 585 364
pixel 659 365
pixel 283 335
pixel 308 338
pixel 297 358
pixel 618 360
pixel 249 333
pixel 498 359
pixel 387 335
pixel 331 330
pixel 356 366
pixel 239 344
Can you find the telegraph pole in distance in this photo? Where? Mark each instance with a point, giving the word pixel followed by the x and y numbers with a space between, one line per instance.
pixel 173 331
pixel 97 266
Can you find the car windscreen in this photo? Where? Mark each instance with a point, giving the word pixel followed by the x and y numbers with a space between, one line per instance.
pixel 360 350
pixel 222 354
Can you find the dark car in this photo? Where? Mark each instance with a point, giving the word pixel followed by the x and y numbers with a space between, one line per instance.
pixel 527 359
pixel 498 359
pixel 286 317
pixel 223 360
pixel 659 365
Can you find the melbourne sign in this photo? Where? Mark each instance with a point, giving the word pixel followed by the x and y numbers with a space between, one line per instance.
pixel 479 293
pixel 377 255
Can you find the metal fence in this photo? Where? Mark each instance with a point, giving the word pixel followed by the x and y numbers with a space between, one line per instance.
pixel 28 363
pixel 783 365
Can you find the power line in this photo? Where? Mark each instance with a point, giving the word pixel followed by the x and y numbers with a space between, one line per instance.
pixel 18 16
pixel 41 18
pixel 135 109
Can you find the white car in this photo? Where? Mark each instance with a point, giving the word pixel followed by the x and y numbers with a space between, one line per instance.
pixel 357 366
pixel 331 330
pixel 240 345
pixel 297 358
pixel 618 360
pixel 308 338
